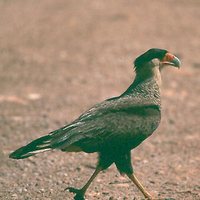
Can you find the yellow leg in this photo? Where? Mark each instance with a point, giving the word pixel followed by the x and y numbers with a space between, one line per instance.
pixel 85 187
pixel 139 186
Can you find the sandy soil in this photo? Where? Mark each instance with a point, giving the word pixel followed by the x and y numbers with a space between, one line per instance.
pixel 58 58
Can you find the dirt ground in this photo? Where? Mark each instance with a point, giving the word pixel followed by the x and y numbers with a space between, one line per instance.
pixel 58 58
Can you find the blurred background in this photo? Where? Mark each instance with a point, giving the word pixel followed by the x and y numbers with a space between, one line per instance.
pixel 58 58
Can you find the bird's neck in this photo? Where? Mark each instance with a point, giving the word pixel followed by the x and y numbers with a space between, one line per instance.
pixel 146 88
pixel 147 74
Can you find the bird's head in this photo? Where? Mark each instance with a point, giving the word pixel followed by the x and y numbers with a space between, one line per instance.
pixel 157 57
pixel 150 63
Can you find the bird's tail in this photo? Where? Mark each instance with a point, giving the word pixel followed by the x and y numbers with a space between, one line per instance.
pixel 36 146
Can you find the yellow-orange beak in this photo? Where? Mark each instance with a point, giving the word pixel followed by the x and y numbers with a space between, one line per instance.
pixel 170 59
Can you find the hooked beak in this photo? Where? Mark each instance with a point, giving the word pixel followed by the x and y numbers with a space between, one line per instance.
pixel 170 59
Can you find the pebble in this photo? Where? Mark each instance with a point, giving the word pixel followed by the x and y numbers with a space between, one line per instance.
pixel 14 196
pixel 42 190
pixel 20 190
pixel 34 96
pixel 169 199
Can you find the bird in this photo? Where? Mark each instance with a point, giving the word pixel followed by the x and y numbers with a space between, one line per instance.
pixel 115 126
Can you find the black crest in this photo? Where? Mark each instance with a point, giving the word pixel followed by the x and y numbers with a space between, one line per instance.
pixel 149 55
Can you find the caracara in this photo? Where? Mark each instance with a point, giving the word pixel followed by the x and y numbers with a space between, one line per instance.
pixel 115 126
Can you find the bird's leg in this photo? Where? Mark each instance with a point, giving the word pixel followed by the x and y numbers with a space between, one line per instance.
pixel 81 192
pixel 139 186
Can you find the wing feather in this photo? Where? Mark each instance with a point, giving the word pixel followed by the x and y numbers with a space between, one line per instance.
pixel 109 122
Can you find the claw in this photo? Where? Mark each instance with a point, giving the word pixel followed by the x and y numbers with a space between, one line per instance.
pixel 73 190
pixel 149 197
pixel 79 193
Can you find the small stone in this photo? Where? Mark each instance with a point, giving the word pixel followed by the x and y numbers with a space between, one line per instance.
pixel 153 182
pixel 78 169
pixel 34 96
pixel 14 196
pixel 169 199
pixel 145 161
pixel 20 190
pixel 42 190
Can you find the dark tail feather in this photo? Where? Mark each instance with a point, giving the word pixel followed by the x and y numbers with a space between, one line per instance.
pixel 36 146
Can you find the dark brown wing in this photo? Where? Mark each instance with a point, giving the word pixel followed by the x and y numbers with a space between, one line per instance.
pixel 109 126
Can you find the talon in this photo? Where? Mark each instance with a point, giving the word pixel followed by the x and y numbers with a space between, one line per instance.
pixel 149 198
pixel 73 190
pixel 79 193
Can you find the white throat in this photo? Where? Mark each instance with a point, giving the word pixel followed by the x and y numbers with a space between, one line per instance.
pixel 157 76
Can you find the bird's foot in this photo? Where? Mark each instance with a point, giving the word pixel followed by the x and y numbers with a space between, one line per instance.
pixel 149 197
pixel 79 193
